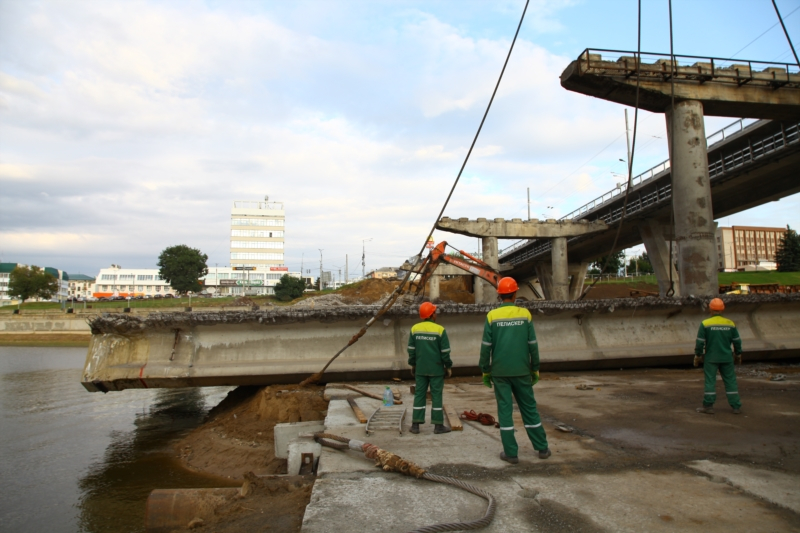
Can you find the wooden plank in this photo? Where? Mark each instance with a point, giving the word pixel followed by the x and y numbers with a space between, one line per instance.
pixel 369 394
pixel 357 410
pixel 452 417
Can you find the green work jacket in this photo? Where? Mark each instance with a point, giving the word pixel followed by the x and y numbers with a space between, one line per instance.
pixel 714 340
pixel 509 346
pixel 429 349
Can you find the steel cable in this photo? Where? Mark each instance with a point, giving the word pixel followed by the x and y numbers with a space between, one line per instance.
pixel 372 452
pixel 633 152
pixel 315 378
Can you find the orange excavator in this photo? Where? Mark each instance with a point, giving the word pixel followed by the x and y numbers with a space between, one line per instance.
pixel 469 263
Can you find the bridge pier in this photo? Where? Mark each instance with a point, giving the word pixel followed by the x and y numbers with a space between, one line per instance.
pixel 560 269
pixel 544 271
pixel 652 233
pixel 691 200
pixel 578 273
pixel 434 287
pixel 484 292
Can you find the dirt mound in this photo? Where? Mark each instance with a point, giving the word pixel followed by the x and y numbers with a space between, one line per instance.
pixel 457 290
pixel 243 300
pixel 603 291
pixel 238 436
pixel 368 292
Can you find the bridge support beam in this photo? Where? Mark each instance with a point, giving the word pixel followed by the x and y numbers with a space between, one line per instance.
pixel 578 273
pixel 484 292
pixel 434 287
pixel 560 269
pixel 657 246
pixel 691 200
pixel 544 271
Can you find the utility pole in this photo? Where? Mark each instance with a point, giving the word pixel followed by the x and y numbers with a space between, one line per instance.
pixel 302 256
pixel 346 270
pixel 628 137
pixel 320 268
pixel 363 258
pixel 529 203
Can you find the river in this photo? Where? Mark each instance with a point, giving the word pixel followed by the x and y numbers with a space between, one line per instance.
pixel 79 461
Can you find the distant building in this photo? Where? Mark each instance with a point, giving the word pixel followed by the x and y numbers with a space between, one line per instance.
pixel 257 233
pixel 81 286
pixel 384 273
pixel 236 281
pixel 748 247
pixel 118 281
pixel 5 276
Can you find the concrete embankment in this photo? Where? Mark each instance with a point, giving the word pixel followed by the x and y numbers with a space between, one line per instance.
pixel 286 345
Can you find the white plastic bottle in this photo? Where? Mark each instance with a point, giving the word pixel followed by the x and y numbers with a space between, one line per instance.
pixel 388 397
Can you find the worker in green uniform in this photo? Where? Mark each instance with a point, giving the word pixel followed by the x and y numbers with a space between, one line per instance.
pixel 429 358
pixel 510 360
pixel 713 349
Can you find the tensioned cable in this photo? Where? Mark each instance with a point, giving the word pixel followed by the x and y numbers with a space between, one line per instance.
pixel 396 293
pixel 633 152
pixel 763 34
pixel 786 32
pixel 671 291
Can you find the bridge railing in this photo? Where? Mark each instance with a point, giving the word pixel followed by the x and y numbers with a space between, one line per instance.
pixel 696 69
pixel 718 136
pixel 718 167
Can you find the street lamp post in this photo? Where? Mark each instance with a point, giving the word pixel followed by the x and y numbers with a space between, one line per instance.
pixel 363 257
pixel 320 267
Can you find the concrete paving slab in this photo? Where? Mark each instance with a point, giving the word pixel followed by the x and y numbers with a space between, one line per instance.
pixel 775 487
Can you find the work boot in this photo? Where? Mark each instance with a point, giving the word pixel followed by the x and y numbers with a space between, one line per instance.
pixel 706 410
pixel 737 410
pixel 544 454
pixel 512 460
pixel 439 428
pixel 415 428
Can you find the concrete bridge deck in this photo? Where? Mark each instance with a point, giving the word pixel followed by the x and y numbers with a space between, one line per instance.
pixel 287 345
pixel 751 167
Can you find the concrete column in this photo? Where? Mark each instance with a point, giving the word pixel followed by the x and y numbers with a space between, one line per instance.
pixel 657 246
pixel 488 294
pixel 691 200
pixel 544 271
pixel 560 269
pixel 433 287
pixel 578 273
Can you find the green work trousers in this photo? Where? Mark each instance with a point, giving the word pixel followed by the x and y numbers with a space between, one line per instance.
pixel 437 386
pixel 728 378
pixel 522 389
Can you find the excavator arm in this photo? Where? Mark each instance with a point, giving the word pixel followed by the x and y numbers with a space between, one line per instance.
pixel 469 263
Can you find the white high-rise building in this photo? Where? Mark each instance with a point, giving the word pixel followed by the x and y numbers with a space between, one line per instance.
pixel 257 233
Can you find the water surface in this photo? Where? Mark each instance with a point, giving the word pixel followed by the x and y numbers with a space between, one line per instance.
pixel 79 461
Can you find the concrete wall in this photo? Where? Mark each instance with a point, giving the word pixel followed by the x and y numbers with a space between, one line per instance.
pixel 261 348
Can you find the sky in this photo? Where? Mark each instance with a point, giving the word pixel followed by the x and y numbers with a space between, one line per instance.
pixel 130 126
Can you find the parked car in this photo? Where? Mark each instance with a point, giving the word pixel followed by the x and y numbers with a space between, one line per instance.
pixel 169 296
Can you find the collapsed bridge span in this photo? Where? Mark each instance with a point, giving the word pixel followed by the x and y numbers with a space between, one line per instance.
pixel 285 345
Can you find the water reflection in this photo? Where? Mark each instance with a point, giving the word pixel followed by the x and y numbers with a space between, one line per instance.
pixel 79 461
pixel 114 489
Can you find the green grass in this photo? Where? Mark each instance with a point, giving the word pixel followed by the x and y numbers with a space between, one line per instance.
pixel 725 278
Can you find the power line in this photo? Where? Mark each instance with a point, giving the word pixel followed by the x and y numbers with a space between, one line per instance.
pixel 733 55
pixel 780 19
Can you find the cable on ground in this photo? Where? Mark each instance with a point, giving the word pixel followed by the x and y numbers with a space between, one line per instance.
pixel 315 378
pixel 390 462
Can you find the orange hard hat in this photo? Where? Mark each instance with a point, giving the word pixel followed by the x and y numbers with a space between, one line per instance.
pixel 426 310
pixel 716 305
pixel 507 286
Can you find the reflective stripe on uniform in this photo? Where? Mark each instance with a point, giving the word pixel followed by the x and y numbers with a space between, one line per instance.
pixel 412 347
pixel 532 342
pixel 737 339
pixel 419 407
pixel 486 343
pixel 734 392
pixel 445 351
pixel 436 408
pixel 711 393
pixel 701 340
pixel 507 429
pixel 534 426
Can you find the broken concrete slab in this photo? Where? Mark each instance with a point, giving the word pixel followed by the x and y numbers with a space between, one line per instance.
pixel 775 487
pixel 284 433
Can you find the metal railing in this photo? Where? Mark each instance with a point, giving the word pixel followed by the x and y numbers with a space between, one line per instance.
pixel 694 68
pixel 733 128
pixel 716 169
